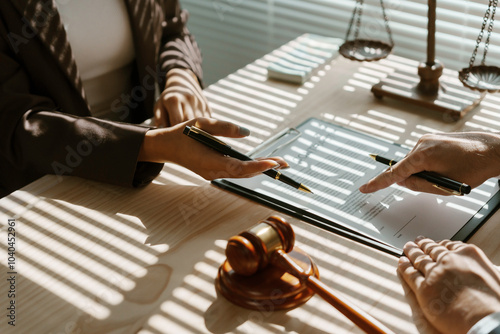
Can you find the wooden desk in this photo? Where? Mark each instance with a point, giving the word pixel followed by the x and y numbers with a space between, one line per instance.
pixel 94 258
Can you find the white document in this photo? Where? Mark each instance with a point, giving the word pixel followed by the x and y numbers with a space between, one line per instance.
pixel 334 162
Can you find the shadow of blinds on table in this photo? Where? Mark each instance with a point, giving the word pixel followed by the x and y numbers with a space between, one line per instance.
pixel 233 33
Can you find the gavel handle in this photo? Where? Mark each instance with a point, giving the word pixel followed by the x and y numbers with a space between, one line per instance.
pixel 359 317
pixel 363 320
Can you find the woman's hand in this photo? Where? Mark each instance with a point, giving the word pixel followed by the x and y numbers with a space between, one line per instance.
pixel 171 145
pixel 181 100
pixel 469 157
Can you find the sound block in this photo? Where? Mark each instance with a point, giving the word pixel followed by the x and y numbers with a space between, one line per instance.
pixel 270 288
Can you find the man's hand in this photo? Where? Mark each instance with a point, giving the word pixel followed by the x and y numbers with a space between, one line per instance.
pixel 181 100
pixel 452 285
pixel 469 157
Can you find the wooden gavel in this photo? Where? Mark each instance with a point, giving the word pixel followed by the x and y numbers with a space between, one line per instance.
pixel 268 243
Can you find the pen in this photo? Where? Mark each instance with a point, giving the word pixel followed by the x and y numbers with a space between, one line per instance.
pixel 218 145
pixel 440 182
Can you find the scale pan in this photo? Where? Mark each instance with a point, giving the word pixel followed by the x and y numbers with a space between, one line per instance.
pixel 365 50
pixel 481 78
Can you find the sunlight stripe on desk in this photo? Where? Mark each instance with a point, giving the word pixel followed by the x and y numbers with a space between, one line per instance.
pixel 331 255
pixel 258 66
pixel 250 100
pixel 13 206
pixel 486 120
pixel 146 331
pixel 380 67
pixel 279 95
pixel 259 76
pixel 489 113
pixel 204 268
pixel 257 121
pixel 215 256
pixel 71 256
pixel 480 127
pixel 366 78
pixel 360 84
pixel 196 301
pixel 70 274
pixel 173 173
pixel 371 130
pixel 165 178
pixel 252 92
pixel 243 108
pixel 380 125
pixel 63 291
pixel 198 279
pixel 161 323
pixel 487 117
pixel 372 72
pixel 101 235
pixel 97 249
pixel 63 212
pixel 386 117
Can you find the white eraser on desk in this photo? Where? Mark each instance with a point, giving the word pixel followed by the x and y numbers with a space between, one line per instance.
pixel 298 60
pixel 278 72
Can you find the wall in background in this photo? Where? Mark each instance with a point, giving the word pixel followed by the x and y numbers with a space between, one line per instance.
pixel 232 33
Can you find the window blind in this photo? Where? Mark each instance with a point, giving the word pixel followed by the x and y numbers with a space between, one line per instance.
pixel 233 33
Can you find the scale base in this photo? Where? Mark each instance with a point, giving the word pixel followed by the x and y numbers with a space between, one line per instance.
pixel 452 99
pixel 268 289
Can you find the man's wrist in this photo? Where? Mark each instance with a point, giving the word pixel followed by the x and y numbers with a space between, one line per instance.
pixel 487 325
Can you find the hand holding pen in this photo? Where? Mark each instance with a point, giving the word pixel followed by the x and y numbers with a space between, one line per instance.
pixel 171 145
pixel 470 158
pixel 221 147
pixel 440 182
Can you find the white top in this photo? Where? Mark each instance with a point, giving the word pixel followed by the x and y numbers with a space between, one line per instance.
pixel 486 325
pixel 101 40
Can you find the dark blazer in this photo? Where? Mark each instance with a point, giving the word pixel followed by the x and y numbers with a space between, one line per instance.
pixel 45 123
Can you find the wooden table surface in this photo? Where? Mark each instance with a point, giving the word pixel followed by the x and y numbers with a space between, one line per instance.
pixel 95 258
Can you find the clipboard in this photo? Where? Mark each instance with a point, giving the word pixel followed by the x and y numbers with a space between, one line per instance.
pixel 334 161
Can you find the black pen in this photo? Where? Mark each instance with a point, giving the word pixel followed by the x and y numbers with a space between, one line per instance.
pixel 218 145
pixel 440 182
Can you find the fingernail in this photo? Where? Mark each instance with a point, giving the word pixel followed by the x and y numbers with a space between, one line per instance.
pixel 275 165
pixel 285 166
pixel 403 260
pixel 244 131
pixel 363 188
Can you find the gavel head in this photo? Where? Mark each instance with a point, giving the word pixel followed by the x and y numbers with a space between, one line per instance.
pixel 250 251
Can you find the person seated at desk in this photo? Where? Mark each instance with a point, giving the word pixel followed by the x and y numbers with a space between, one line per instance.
pixel 452 286
pixel 75 75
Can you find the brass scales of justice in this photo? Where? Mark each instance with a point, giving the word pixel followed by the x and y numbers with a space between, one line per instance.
pixel 425 88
